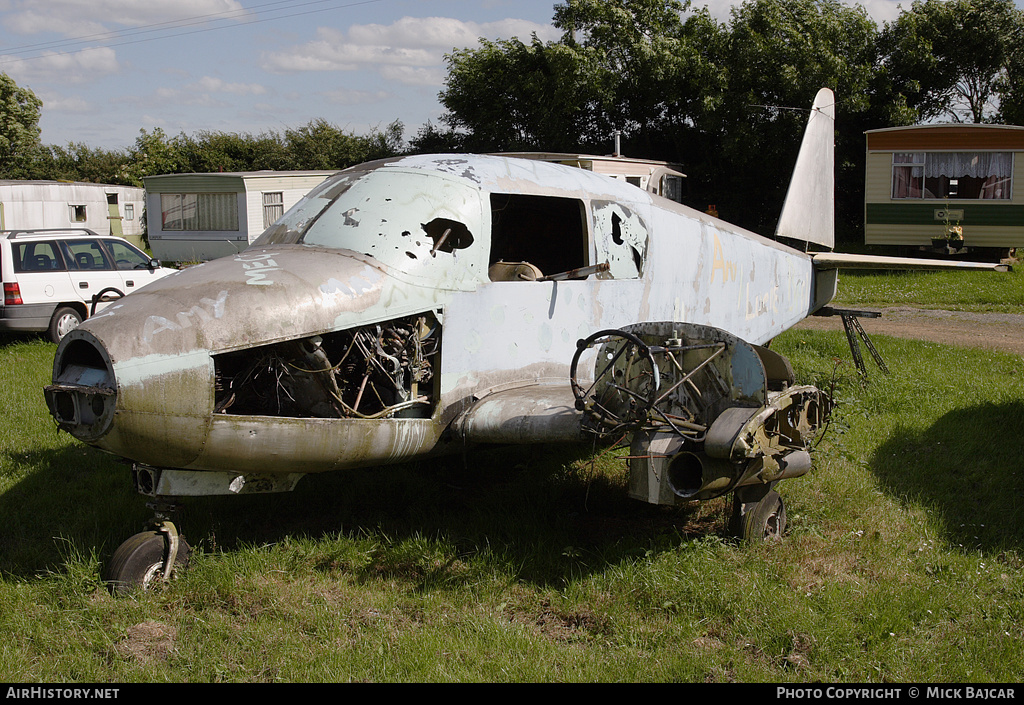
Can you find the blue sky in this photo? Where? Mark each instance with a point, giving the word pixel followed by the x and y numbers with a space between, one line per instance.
pixel 105 69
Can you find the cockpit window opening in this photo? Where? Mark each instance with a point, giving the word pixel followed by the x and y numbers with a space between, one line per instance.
pixel 535 236
pixel 620 238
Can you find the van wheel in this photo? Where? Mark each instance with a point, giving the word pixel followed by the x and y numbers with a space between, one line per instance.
pixel 65 319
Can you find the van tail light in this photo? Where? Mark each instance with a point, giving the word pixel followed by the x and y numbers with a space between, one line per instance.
pixel 12 294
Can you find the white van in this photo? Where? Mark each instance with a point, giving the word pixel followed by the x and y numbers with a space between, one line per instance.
pixel 55 279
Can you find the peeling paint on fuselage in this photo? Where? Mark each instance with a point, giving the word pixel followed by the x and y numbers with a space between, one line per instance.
pixel 382 264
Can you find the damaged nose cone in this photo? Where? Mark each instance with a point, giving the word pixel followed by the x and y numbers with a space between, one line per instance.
pixel 83 395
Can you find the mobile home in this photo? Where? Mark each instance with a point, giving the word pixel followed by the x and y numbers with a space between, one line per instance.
pixel 199 217
pixel 657 177
pixel 948 187
pixel 103 208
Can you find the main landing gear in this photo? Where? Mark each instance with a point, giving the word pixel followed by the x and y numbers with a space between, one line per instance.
pixel 758 514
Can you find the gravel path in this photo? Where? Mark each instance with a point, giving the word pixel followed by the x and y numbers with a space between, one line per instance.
pixel 997 331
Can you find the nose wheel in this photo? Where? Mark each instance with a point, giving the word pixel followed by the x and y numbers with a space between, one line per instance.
pixel 147 559
pixel 759 514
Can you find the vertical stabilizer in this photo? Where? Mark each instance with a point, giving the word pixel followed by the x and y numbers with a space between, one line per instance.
pixel 809 212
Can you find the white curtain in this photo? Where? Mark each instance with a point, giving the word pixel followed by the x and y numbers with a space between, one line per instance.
pixel 977 165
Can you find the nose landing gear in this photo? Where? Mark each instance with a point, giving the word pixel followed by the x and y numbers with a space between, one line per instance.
pixel 149 558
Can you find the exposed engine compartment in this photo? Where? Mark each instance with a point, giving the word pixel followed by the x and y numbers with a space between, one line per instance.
pixel 373 371
pixel 707 412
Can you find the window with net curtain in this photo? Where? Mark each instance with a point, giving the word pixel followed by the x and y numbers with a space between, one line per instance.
pixel 952 175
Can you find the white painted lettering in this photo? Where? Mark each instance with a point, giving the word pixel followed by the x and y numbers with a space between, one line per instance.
pixel 256 268
pixel 209 310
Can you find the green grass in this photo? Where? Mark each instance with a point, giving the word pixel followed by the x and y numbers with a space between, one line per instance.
pixel 903 561
pixel 982 291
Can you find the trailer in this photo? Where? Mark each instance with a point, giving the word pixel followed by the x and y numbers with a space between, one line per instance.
pixel 945 188
pixel 657 177
pixel 200 217
pixel 106 209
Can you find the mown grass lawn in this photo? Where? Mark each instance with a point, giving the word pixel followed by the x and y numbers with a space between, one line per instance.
pixel 903 560
pixel 1001 292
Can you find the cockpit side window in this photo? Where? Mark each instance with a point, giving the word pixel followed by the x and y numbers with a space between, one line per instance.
pixel 536 236
pixel 620 238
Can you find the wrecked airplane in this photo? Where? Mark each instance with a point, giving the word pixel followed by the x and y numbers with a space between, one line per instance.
pixel 415 305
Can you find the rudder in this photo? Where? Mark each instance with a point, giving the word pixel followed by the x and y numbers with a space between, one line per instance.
pixel 808 214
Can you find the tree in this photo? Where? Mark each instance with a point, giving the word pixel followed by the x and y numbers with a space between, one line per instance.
pixel 1011 87
pixel 657 67
pixel 152 154
pixel 19 128
pixel 508 95
pixel 221 151
pixel 954 59
pixel 79 162
pixel 430 139
pixel 634 66
pixel 320 145
pixel 778 55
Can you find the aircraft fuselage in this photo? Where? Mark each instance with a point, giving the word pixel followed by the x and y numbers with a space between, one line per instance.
pixel 221 367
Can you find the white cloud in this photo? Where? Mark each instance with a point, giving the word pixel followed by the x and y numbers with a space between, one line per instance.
pixel 410 50
pixel 61 67
pixel 347 97
pixel 31 22
pixel 209 84
pixel 79 18
pixel 75 105
pixel 206 92
pixel 415 76
pixel 444 33
pixel 102 23
pixel 881 11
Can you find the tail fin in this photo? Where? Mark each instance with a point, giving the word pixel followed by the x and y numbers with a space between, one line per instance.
pixel 808 214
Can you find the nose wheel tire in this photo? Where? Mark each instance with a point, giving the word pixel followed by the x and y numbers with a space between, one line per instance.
pixel 762 521
pixel 139 563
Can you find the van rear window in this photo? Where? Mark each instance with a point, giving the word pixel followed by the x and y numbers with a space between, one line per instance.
pixel 37 257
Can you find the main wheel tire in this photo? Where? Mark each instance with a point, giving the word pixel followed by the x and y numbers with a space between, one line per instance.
pixel 138 563
pixel 64 320
pixel 766 521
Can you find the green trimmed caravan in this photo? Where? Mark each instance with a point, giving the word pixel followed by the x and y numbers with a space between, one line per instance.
pixel 199 217
pixel 945 188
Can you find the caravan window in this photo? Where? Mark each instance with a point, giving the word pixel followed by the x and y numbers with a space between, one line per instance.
pixel 199 211
pixel 952 175
pixel 672 188
pixel 273 207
